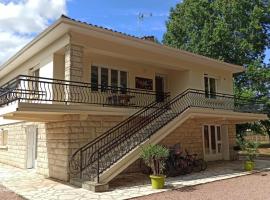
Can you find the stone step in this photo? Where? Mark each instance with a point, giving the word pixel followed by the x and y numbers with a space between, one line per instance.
pixel 76 181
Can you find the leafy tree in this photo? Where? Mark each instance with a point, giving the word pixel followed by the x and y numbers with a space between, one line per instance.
pixel 234 31
pixel 255 82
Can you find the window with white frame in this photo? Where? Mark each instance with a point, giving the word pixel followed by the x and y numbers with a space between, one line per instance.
pixel 3 137
pixel 35 73
pixel 210 86
pixel 212 139
pixel 106 77
pixel 33 84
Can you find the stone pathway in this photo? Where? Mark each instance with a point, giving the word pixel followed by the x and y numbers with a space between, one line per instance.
pixel 35 187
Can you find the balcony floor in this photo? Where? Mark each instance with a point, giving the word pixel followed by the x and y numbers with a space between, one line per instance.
pixel 54 112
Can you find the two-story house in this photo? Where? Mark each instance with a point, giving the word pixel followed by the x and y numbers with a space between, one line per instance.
pixel 80 100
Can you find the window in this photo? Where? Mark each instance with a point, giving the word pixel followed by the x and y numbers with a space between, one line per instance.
pixel 123 81
pixel 3 138
pixel 114 80
pixel 212 139
pixel 34 84
pixel 94 78
pixel 35 73
pixel 108 77
pixel 206 140
pixel 104 79
pixel 210 85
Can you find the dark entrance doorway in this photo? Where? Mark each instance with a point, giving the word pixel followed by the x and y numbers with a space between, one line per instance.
pixel 159 81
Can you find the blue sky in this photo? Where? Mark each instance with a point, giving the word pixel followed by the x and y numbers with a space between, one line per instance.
pixel 120 15
pixel 123 15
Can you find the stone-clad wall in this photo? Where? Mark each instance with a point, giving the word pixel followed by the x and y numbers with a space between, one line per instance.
pixel 56 141
pixel 189 135
pixel 73 62
pixel 42 154
pixel 15 153
pixel 64 137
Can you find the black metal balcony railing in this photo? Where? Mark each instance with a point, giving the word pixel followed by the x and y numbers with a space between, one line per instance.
pixel 97 156
pixel 44 90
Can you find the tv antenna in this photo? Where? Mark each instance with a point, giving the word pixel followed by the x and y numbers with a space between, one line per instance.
pixel 141 17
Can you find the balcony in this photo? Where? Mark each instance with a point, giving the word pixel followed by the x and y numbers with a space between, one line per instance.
pixel 39 90
pixel 25 97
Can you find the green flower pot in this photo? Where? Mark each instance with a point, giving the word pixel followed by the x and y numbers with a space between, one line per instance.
pixel 249 165
pixel 157 181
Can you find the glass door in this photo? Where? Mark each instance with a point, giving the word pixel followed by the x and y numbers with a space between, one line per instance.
pixel 159 80
pixel 212 142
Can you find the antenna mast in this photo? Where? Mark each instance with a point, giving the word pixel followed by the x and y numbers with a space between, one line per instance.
pixel 141 17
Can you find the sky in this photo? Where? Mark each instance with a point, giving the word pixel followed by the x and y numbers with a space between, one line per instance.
pixel 22 20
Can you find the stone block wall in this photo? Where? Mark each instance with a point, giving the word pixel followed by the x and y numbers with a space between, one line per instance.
pixel 65 137
pixel 188 135
pixel 73 62
pixel 15 153
pixel 73 71
pixel 42 153
pixel 58 140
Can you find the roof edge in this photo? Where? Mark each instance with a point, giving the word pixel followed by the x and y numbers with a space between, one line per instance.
pixel 31 43
pixel 63 18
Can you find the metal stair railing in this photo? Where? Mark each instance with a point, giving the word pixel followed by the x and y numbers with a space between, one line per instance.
pixel 99 155
pixel 80 158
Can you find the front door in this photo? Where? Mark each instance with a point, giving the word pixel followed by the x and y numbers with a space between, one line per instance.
pixel 212 142
pixel 159 83
pixel 31 135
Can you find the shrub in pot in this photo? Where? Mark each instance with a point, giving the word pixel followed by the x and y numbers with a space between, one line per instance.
pixel 250 148
pixel 154 157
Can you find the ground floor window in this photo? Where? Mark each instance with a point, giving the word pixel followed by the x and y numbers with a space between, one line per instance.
pixel 3 137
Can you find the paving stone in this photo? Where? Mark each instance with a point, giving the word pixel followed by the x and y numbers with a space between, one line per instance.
pixel 36 187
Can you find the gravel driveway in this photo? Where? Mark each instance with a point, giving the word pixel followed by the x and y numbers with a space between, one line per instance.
pixel 251 187
pixel 6 194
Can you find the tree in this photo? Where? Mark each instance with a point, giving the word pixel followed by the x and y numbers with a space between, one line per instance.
pixel 234 31
pixel 255 82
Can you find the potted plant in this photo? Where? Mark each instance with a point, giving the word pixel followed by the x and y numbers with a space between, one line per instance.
pixel 154 157
pixel 250 148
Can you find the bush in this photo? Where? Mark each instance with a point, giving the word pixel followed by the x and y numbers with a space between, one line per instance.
pixel 154 157
pixel 250 148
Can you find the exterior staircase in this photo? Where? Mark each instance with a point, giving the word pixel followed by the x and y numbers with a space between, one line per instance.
pixel 102 159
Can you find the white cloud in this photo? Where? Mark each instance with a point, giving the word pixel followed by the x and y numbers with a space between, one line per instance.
pixel 21 20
